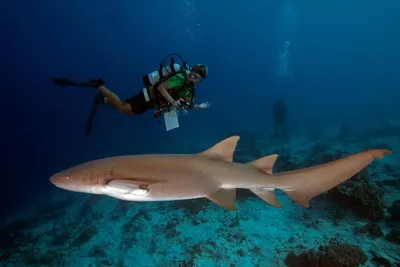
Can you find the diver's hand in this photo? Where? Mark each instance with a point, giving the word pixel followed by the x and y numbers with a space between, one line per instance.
pixel 205 105
pixel 177 103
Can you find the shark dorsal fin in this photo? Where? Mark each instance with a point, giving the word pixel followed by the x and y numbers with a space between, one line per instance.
pixel 223 150
pixel 265 163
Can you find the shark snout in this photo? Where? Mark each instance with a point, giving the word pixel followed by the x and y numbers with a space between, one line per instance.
pixel 59 180
pixel 71 181
pixel 54 180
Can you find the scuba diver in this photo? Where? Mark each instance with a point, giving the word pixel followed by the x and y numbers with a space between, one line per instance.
pixel 279 114
pixel 167 89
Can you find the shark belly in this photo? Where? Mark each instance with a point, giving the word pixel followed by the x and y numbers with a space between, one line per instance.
pixel 188 182
pixel 158 193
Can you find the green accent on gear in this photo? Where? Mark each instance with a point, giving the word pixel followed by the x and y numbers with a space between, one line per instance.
pixel 177 82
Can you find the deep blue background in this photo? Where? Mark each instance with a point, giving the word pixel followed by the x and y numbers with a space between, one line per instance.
pixel 345 59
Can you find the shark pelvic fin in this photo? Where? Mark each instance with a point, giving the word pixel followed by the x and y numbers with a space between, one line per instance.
pixel 225 198
pixel 300 197
pixel 264 164
pixel 268 195
pixel 222 151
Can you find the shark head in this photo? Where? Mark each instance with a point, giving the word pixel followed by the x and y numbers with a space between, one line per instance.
pixel 98 177
pixel 77 179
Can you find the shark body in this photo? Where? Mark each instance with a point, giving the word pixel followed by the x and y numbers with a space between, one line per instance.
pixel 210 174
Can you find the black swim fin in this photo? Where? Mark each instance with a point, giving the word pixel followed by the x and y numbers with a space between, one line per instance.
pixel 97 101
pixel 93 83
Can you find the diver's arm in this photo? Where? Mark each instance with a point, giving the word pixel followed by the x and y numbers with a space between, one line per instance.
pixel 162 88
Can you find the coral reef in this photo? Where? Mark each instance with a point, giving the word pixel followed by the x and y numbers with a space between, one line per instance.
pixel 359 195
pixel 372 229
pixel 381 261
pixel 192 206
pixel 333 255
pixel 394 211
pixel 394 236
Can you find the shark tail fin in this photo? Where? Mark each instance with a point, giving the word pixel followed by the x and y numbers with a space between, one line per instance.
pixel 309 182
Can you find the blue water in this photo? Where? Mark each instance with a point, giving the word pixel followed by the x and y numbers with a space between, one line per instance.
pixel 339 80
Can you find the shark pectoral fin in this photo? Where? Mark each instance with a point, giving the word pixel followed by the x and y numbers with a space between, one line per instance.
pixel 265 164
pixel 225 198
pixel 128 187
pixel 223 150
pixel 268 196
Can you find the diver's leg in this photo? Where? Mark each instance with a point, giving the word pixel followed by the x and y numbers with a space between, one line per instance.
pixel 280 128
pixel 283 127
pixel 113 100
pixel 276 127
pixel 139 103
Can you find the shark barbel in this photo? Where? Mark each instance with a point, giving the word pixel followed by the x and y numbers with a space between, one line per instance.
pixel 210 174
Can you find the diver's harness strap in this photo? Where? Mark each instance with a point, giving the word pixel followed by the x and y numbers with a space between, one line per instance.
pixel 171 65
pixel 155 95
pixel 158 99
pixel 162 78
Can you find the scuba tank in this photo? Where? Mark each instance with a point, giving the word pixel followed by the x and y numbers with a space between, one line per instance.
pixel 156 76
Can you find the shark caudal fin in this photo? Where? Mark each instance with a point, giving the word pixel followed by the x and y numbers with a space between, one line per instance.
pixel 223 151
pixel 266 165
pixel 304 184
